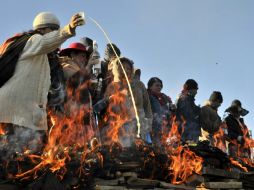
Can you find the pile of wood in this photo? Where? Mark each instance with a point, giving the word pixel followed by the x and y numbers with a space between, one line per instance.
pixel 218 172
pixel 140 166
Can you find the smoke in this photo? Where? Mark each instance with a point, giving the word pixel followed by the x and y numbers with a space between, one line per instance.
pixel 19 141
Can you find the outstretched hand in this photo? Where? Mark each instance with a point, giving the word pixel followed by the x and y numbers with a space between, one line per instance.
pixel 76 20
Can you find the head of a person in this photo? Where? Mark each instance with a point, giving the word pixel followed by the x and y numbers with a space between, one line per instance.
pixel 236 109
pixel 190 87
pixel 137 74
pixel 155 85
pixel 216 99
pixel 45 22
pixel 109 53
pixel 128 67
pixel 88 42
pixel 77 52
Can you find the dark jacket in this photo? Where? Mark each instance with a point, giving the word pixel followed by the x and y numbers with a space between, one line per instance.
pixel 79 103
pixel 237 133
pixel 188 114
pixel 161 106
pixel 234 128
pixel 106 77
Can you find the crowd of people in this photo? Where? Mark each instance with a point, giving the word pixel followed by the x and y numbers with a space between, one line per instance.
pixel 38 78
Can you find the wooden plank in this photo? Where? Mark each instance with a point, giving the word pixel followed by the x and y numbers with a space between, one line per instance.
pixel 201 188
pixel 195 180
pixel 128 166
pixel 248 176
pixel 104 187
pixel 9 187
pixel 145 183
pixel 223 185
pixel 130 174
pixel 221 173
pixel 112 182
pixel 176 187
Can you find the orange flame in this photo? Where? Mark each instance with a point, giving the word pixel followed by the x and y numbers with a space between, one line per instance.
pixel 66 137
pixel 219 138
pixel 173 138
pixel 2 129
pixel 184 162
pixel 244 151
pixel 236 163
pixel 117 113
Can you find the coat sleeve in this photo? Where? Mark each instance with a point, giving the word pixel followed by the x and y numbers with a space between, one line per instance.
pixel 209 120
pixel 187 108
pixel 146 102
pixel 44 44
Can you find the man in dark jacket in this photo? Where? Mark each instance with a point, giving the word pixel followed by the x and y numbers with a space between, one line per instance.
pixel 237 130
pixel 188 112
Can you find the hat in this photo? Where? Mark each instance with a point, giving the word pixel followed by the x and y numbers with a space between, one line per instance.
pixel 216 96
pixel 73 47
pixel 88 43
pixel 190 84
pixel 236 107
pixel 46 19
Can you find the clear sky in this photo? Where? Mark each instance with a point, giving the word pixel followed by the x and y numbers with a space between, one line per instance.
pixel 210 41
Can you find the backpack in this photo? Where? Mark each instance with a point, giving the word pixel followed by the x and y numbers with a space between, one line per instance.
pixel 10 51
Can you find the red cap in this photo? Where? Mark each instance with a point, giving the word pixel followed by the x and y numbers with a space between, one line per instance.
pixel 73 47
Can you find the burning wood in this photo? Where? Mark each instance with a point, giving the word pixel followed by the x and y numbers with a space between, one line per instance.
pixel 116 158
pixel 75 166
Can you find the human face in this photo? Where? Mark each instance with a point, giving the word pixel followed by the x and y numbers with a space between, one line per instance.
pixel 156 87
pixel 79 58
pixel 215 104
pixel 193 92
pixel 128 70
pixel 45 30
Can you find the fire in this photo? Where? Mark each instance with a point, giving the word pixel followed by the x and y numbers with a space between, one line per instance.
pixel 173 138
pixel 67 139
pixel 2 129
pixel 204 135
pixel 236 163
pixel 219 138
pixel 244 151
pixel 184 162
pixel 118 114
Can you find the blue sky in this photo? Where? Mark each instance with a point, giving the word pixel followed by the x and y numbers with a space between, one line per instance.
pixel 171 39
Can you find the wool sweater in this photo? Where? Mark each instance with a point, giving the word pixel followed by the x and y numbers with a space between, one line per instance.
pixel 23 98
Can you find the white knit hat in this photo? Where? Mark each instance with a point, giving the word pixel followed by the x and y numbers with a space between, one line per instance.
pixel 46 19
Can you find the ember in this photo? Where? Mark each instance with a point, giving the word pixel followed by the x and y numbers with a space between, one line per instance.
pixel 2 129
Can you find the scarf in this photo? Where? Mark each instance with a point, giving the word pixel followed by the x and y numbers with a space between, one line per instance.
pixel 162 98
